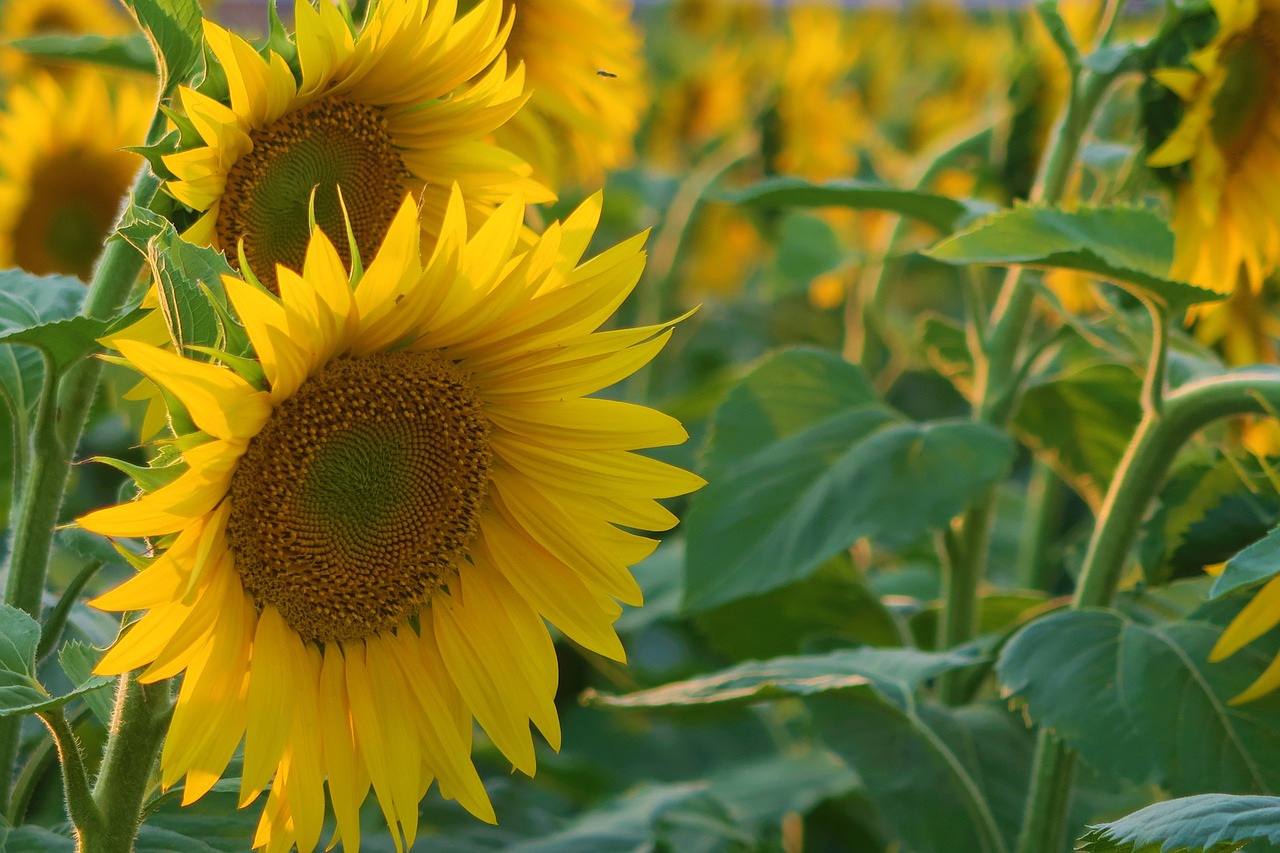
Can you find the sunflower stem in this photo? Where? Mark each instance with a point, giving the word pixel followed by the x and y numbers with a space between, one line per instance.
pixel 1161 434
pixel 138 726
pixel 81 808
pixel 1000 374
pixel 60 419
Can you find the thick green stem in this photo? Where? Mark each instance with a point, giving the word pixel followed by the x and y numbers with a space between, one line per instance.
pixel 81 808
pixel 960 611
pixel 1046 496
pixel 1000 375
pixel 60 418
pixel 1160 435
pixel 138 725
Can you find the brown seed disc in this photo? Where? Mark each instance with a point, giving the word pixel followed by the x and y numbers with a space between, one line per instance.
pixel 360 495
pixel 322 146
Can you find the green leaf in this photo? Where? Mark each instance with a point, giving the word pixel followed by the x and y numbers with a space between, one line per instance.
pixel 1208 823
pixel 944 213
pixel 34 839
pixel 894 672
pixel 783 394
pixel 19 636
pixel 766 789
pixel 777 515
pixel 66 341
pixel 1143 702
pixel 1081 423
pixel 1131 247
pixel 174 29
pixel 78 661
pixel 621 825
pixel 132 52
pixel 186 275
pixel 834 603
pixel 943 780
pixel 1207 513
pixel 1258 563
pixel 807 247
pixel 20 692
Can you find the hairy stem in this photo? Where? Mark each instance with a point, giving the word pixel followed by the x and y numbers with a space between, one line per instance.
pixel 81 808
pixel 60 419
pixel 1159 437
pixel 138 725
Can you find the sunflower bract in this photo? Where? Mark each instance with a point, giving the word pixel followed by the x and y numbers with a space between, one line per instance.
pixel 361 552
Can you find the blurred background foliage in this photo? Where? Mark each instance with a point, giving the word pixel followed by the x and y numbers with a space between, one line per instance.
pixel 692 746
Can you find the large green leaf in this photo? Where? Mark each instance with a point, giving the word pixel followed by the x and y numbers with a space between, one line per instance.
pixel 777 515
pixel 834 603
pixel 34 839
pixel 20 691
pixel 1081 423
pixel 893 672
pixel 78 661
pixel 1254 565
pixel 943 780
pixel 174 28
pixel 43 312
pixel 1129 246
pixel 27 303
pixel 1208 823
pixel 737 803
pixel 782 395
pixel 942 212
pixel 1143 702
pixel 130 52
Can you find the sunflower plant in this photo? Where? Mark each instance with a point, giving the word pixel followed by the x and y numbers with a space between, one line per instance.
pixel 884 460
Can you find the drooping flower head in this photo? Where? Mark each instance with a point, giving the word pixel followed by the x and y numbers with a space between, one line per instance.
pixel 1227 213
pixel 64 172
pixel 378 514
pixel 378 114
pixel 584 70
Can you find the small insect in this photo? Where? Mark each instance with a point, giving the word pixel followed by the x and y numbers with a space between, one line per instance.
pixel 604 73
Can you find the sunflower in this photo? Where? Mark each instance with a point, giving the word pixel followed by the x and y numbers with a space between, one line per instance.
pixel 820 115
pixel 1227 212
pixel 64 173
pixel 584 69
pixel 366 539
pixel 378 115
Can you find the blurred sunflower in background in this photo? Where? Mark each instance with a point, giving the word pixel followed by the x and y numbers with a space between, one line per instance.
pixel 586 78
pixel 378 113
pixel 1226 217
pixel 378 513
pixel 821 119
pixel 714 72
pixel 64 173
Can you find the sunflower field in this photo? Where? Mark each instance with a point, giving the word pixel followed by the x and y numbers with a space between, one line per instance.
pixel 682 426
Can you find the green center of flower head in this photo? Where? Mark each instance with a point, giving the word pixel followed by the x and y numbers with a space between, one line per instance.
pixel 361 494
pixel 318 148
pixel 1241 107
pixel 72 201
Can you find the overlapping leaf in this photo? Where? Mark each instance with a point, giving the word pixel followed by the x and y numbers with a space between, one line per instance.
pixel 942 212
pixel 1129 246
